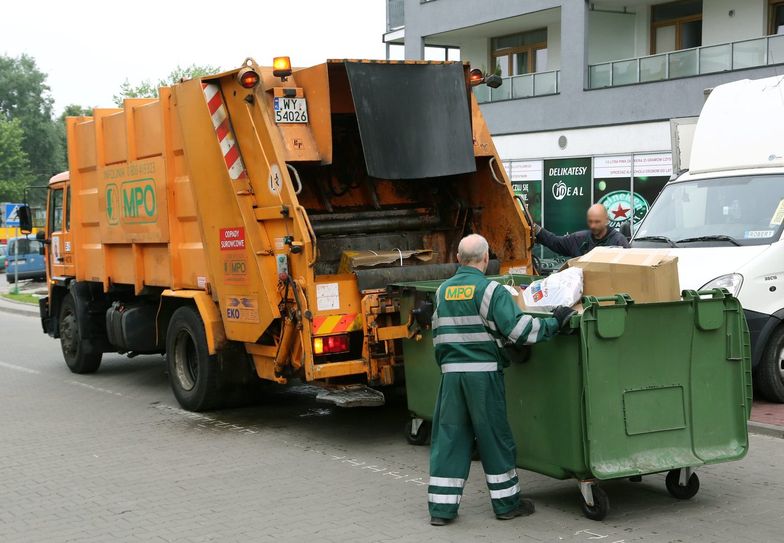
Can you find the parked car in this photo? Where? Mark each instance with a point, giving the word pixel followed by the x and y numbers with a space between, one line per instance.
pixel 2 257
pixel 29 261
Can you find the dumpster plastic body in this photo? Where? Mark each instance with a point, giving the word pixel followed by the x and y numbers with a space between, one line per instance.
pixel 630 390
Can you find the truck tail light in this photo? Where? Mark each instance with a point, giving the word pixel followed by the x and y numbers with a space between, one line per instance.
pixel 248 78
pixel 331 344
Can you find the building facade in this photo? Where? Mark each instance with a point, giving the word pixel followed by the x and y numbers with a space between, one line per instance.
pixel 589 87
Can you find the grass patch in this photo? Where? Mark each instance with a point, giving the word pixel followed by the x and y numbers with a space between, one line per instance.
pixel 21 297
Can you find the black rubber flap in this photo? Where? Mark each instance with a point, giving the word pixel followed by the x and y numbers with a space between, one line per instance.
pixel 414 119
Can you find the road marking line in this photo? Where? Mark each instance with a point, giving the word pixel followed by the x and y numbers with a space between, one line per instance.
pixel 19 368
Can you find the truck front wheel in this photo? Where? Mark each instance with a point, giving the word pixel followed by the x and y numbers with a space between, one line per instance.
pixel 769 373
pixel 193 372
pixel 80 354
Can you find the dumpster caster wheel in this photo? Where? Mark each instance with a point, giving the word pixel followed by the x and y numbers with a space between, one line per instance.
pixel 601 504
pixel 417 432
pixel 682 491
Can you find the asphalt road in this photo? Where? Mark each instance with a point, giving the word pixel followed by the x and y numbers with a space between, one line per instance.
pixel 110 457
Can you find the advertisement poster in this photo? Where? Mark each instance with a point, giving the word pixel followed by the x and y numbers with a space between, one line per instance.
pixel 526 177
pixel 613 184
pixel 567 194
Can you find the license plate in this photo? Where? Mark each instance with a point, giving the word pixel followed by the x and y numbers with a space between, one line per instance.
pixel 20 261
pixel 290 110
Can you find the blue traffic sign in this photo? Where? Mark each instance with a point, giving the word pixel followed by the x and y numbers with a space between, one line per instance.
pixel 12 214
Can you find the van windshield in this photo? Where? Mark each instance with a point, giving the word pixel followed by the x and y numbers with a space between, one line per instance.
pixel 744 210
pixel 26 246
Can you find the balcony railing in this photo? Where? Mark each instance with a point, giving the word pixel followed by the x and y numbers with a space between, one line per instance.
pixel 707 59
pixel 521 86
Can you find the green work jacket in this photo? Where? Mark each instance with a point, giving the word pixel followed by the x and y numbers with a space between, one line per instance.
pixel 473 320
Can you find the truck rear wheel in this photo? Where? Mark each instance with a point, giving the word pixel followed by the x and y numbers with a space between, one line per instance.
pixel 80 354
pixel 193 372
pixel 769 373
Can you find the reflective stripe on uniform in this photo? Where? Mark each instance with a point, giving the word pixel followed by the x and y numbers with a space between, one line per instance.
pixel 458 321
pixel 502 478
pixel 517 331
pixel 460 367
pixel 444 498
pixel 476 337
pixel 451 482
pixel 487 298
pixel 534 333
pixel 504 493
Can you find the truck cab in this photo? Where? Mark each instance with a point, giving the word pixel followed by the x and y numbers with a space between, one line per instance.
pixel 724 217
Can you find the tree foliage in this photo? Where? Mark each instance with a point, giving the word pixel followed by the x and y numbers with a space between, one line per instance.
pixel 15 172
pixel 149 89
pixel 25 97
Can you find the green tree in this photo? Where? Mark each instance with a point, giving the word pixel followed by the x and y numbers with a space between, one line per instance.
pixel 15 172
pixel 25 96
pixel 149 89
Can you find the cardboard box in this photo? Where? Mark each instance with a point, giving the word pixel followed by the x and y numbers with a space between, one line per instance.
pixel 647 276
pixel 351 260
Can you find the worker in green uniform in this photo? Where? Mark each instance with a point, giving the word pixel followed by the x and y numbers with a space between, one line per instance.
pixel 473 319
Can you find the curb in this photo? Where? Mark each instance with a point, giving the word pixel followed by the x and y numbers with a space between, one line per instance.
pixel 765 429
pixel 18 308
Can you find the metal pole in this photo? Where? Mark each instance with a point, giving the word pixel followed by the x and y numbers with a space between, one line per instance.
pixel 15 290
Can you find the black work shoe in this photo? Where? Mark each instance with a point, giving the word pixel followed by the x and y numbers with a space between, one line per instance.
pixel 438 521
pixel 525 508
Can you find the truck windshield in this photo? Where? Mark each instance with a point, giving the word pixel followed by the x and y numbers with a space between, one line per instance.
pixel 744 210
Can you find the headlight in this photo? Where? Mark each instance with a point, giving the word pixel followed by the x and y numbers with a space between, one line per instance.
pixel 731 281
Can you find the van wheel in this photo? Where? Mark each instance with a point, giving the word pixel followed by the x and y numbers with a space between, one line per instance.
pixel 769 374
pixel 80 354
pixel 194 373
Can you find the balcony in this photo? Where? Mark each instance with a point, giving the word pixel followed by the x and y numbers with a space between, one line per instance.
pixel 707 59
pixel 520 86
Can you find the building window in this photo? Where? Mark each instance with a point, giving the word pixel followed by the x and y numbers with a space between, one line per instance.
pixel 676 25
pixel 776 17
pixel 518 54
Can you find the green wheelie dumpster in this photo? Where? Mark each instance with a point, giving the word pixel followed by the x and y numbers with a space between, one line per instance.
pixel 628 390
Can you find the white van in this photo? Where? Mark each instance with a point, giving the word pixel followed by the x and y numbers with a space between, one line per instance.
pixel 723 217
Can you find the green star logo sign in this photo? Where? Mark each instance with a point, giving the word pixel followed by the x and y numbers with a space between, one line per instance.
pixel 620 208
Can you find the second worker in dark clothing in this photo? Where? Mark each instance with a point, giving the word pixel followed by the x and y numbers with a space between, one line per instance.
pixel 599 234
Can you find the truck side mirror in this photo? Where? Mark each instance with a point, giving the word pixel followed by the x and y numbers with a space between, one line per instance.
pixel 25 219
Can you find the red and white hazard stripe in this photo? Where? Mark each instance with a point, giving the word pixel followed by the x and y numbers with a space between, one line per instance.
pixel 224 131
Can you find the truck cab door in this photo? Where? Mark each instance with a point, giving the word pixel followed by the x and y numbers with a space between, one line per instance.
pixel 55 232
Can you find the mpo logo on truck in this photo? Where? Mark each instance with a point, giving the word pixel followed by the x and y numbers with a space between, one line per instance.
pixel 132 202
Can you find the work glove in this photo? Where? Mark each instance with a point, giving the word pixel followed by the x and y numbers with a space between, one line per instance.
pixel 562 314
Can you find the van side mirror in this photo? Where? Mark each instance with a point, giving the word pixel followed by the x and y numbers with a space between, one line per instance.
pixel 25 216
pixel 40 235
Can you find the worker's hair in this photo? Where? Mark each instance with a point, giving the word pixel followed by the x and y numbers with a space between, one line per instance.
pixel 472 249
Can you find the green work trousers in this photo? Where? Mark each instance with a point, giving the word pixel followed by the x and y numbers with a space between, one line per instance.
pixel 471 405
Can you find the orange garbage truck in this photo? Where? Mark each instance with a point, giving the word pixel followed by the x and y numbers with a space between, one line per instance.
pixel 247 224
